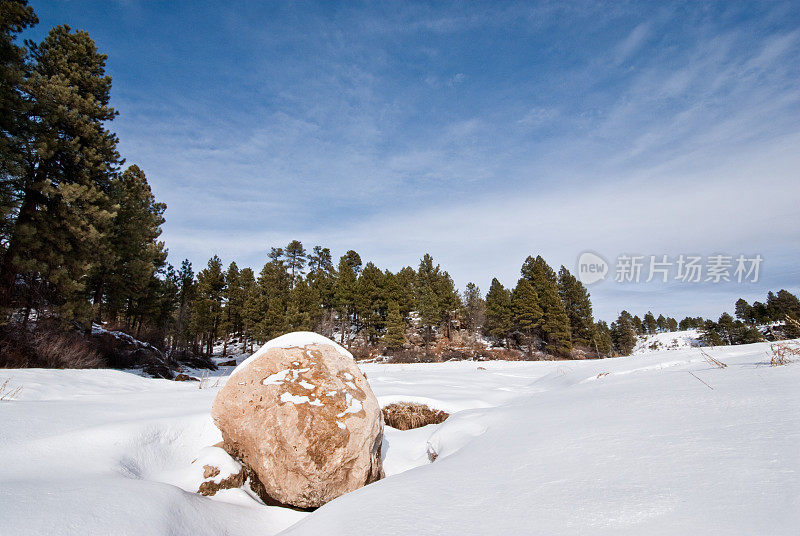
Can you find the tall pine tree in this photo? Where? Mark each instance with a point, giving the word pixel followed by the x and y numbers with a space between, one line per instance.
pixel 555 330
pixel 61 191
pixel 499 316
pixel 526 311
pixel 578 307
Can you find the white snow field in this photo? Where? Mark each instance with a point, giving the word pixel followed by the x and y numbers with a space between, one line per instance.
pixel 669 340
pixel 621 446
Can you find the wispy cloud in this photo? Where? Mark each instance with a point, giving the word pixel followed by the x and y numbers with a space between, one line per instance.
pixel 632 43
pixel 481 134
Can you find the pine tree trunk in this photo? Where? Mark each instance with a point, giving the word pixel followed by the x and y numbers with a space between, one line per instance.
pixel 341 328
pixel 98 301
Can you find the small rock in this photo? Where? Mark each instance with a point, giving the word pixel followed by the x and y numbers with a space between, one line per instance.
pixel 185 378
pixel 220 471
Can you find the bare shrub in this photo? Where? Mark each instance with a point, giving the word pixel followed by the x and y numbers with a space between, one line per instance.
pixel 6 392
pixel 411 355
pixel 783 353
pixel 65 350
pixel 507 354
pixel 409 415
pixel 365 351
pixel 49 346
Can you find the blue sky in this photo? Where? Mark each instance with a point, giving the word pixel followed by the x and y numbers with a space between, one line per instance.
pixel 478 132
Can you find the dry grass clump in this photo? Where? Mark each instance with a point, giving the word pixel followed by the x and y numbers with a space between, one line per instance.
pixel 66 350
pixel 711 360
pixel 409 415
pixel 783 353
pixel 6 392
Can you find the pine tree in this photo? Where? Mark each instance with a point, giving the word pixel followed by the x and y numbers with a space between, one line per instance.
pixel 473 307
pixel 661 323
pixel 649 322
pixel 295 259
pixel 272 299
pixel 429 312
pixel 207 307
pixel 353 260
pixel 321 278
pixel 249 299
pixel 431 278
pixel 304 307
pixel 186 293
pixel 622 334
pixel 527 315
pixel 786 305
pixel 578 307
pixel 234 302
pixel 725 327
pixel 448 300
pixel 710 334
pixel 69 160
pixel 404 289
pixel 320 260
pixel 602 339
pixel 395 337
pixel 638 325
pixel 15 121
pixel 498 312
pixel 131 254
pixel 555 330
pixel 345 290
pixel 744 311
pixel 760 313
pixel 371 304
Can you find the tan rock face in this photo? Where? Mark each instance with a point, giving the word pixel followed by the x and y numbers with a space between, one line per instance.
pixel 305 420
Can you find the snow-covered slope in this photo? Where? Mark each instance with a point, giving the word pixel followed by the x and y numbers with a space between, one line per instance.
pixel 634 445
pixel 670 340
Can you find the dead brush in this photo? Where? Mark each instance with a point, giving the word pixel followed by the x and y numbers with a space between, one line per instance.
pixel 711 360
pixel 409 415
pixel 6 392
pixel 783 353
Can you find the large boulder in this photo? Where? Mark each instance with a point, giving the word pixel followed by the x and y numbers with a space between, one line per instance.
pixel 302 416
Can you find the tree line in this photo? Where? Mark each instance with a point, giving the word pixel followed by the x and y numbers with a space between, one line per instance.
pixel 301 290
pixel 776 318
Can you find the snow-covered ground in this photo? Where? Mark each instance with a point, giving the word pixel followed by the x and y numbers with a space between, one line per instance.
pixel 635 445
pixel 670 340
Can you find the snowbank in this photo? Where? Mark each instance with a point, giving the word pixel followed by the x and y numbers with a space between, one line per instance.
pixel 671 340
